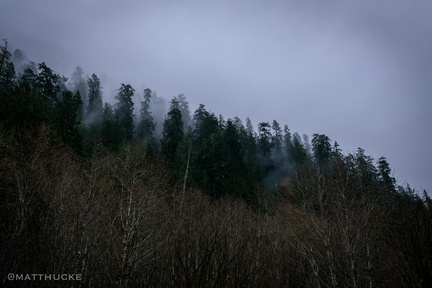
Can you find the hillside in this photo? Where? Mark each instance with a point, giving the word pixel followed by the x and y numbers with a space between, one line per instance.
pixel 105 191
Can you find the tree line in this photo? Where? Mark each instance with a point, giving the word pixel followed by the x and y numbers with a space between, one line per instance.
pixel 90 186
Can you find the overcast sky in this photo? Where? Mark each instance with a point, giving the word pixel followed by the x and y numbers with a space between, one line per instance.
pixel 357 71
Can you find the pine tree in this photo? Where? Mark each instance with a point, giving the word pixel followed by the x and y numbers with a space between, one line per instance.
pixel 113 134
pixel 172 135
pixel 298 153
pixel 124 109
pixel 277 140
pixel 78 83
pixel 287 143
pixel 208 152
pixel 47 84
pixel 94 107
pixel 321 148
pixel 265 146
pixel 7 84
pixel 146 125
pixel 67 119
pixel 385 175
pixel 367 173
pixel 183 106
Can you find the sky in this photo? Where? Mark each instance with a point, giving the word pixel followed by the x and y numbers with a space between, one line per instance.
pixel 358 71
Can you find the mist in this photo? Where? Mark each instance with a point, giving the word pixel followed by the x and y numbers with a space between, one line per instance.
pixel 358 72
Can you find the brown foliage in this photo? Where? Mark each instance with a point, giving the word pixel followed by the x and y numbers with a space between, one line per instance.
pixel 118 222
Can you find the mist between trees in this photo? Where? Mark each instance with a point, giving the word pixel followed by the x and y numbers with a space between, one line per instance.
pixel 132 194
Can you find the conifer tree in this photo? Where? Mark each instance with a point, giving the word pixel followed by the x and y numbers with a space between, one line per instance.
pixel 183 106
pixel 265 146
pixel 76 83
pixel 94 107
pixel 298 153
pixel 321 148
pixel 277 139
pixel 67 119
pixel 172 134
pixel 287 142
pixel 7 85
pixel 113 134
pixel 146 125
pixel 385 174
pixel 124 109
pixel 47 84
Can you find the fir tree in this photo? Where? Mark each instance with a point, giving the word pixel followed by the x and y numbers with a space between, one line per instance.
pixel 124 109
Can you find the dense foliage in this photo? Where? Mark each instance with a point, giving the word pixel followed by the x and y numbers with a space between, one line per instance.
pixel 89 187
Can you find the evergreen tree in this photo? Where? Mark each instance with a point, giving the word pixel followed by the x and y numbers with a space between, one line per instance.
pixel 67 119
pixel 209 150
pixel 277 140
pixel 183 106
pixel 47 84
pixel 7 72
pixel 146 125
pixel 5 58
pixel 265 146
pixel 172 135
pixel 199 115
pixel 78 83
pixel 238 124
pixel 124 109
pixel 94 107
pixel 307 144
pixel 265 139
pixel 28 108
pixel 235 175
pixel 366 172
pixel 385 175
pixel 287 144
pixel 249 127
pixel 113 134
pixel 251 155
pixel 298 153
pixel 19 59
pixel 7 83
pixel 321 148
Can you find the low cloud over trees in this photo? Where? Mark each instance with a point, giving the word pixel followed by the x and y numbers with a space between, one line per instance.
pixel 109 191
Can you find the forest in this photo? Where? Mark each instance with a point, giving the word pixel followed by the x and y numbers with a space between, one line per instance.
pixel 129 195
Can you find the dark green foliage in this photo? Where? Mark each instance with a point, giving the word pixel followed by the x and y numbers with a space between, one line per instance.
pixel 208 149
pixel 7 74
pixel 287 143
pixel 94 107
pixel 172 135
pixel 321 149
pixel 47 83
pixel 124 214
pixel 77 83
pixel 366 171
pixel 183 106
pixel 7 79
pixel 385 175
pixel 67 119
pixel 4 56
pixel 265 145
pixel 236 179
pixel 124 110
pixel 298 153
pixel 113 133
pixel 277 141
pixel 146 125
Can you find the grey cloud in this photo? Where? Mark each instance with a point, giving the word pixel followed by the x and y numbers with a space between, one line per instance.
pixel 359 71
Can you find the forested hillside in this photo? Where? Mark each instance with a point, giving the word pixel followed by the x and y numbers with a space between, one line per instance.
pixel 107 191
